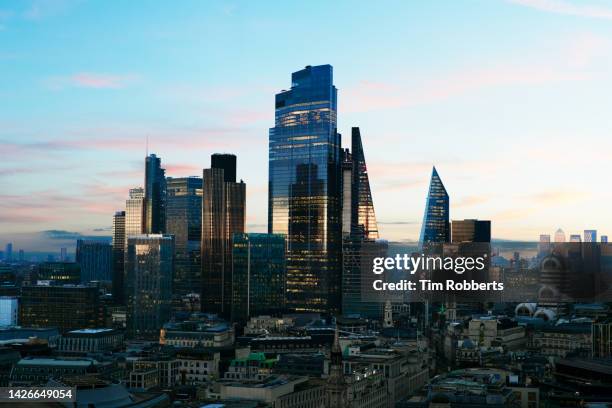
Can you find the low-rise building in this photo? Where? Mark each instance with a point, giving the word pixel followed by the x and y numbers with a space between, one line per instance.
pixel 91 341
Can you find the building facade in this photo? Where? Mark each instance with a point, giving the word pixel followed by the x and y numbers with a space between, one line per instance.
pixel 154 196
pixel 95 259
pixel 118 257
pixel 149 265
pixel 184 221
pixel 223 215
pixel 259 275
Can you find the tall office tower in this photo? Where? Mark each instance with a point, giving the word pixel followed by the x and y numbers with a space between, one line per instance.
pixel 259 275
pixel 559 236
pixel 9 311
pixel 347 190
pixel 95 259
pixel 227 162
pixel 22 254
pixel 305 163
pixel 184 221
pixel 358 200
pixel 436 225
pixel 118 257
pixel 8 252
pixel 155 196
pixel 544 244
pixel 134 213
pixel 590 235
pixel 358 256
pixel 604 239
pixel 575 238
pixel 67 307
pixel 63 254
pixel 148 266
pixel 470 231
pixel 223 215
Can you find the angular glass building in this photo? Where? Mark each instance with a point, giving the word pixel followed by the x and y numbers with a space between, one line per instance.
pixel 305 159
pixel 155 196
pixel 436 225
pixel 358 215
pixel 184 221
pixel 148 265
pixel 223 215
pixel 259 275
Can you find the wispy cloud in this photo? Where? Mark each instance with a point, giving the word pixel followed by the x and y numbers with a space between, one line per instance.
pixel 576 8
pixel 90 80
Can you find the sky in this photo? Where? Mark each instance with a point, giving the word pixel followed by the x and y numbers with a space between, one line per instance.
pixel 509 99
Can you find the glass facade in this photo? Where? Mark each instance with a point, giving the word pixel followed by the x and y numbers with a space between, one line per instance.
pixel 305 159
pixel 155 196
pixel 118 257
pixel 184 221
pixel 67 307
pixel 436 225
pixel 358 257
pixel 60 272
pixel 148 265
pixel 95 259
pixel 223 215
pixel 134 210
pixel 259 275
pixel 470 231
pixel 363 218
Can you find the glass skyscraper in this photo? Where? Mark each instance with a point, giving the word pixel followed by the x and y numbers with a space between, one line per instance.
pixel 223 215
pixel 134 213
pixel 259 275
pixel 305 159
pixel 155 196
pixel 148 265
pixel 184 221
pixel 118 257
pixel 95 259
pixel 436 225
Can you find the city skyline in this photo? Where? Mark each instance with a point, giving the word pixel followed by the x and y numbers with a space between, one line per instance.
pixel 68 167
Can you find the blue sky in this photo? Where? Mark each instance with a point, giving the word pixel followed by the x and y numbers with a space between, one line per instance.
pixel 509 99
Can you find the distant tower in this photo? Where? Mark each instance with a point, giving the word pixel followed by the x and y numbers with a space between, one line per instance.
pixel 8 252
pixel 575 238
pixel 388 322
pixel 590 235
pixel 436 225
pixel 134 213
pixel 559 236
pixel 604 239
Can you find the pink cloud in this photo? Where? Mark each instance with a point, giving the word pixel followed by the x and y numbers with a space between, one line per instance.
pixel 99 81
pixel 176 170
pixel 579 9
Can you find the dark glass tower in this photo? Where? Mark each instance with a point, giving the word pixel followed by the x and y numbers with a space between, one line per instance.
pixel 184 221
pixel 95 259
pixel 436 225
pixel 227 162
pixel 360 232
pixel 259 275
pixel 223 215
pixel 148 265
pixel 155 196
pixel 305 160
pixel 118 257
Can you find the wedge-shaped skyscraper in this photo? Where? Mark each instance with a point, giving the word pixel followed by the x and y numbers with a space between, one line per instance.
pixel 436 225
